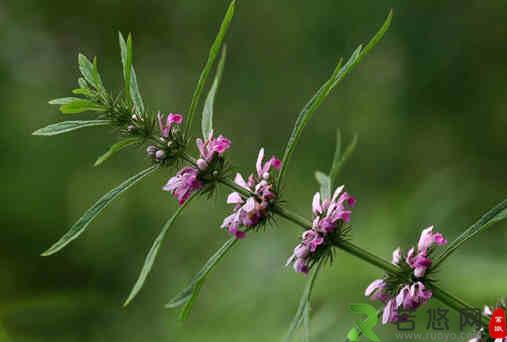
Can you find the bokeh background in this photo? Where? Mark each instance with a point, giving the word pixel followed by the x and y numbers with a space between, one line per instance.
pixel 429 105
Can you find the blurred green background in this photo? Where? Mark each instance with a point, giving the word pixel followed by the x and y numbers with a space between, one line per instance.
pixel 429 105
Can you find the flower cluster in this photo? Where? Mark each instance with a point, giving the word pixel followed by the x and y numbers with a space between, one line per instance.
pixel 328 218
pixel 482 335
pixel 190 178
pixel 251 211
pixel 409 291
pixel 170 136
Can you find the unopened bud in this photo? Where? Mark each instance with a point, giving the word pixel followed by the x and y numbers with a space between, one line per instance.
pixel 202 164
pixel 160 155
pixel 151 150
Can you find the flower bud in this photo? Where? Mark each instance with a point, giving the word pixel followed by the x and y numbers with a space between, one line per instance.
pixel 202 164
pixel 151 150
pixel 131 128
pixel 160 155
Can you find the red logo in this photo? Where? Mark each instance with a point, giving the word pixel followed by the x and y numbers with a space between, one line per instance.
pixel 497 328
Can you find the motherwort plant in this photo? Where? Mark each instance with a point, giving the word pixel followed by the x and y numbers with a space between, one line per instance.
pixel 409 281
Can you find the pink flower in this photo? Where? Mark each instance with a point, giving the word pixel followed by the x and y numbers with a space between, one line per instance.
pixel 428 238
pixel 211 147
pixel 250 211
pixel 183 184
pixel 166 125
pixel 328 214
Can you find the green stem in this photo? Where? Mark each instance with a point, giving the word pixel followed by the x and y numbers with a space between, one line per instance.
pixel 347 246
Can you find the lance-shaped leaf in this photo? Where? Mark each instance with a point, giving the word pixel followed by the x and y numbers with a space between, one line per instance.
pixel 73 105
pixel 126 60
pixel 81 224
pixel 325 184
pixel 117 147
pixel 207 113
pixel 188 295
pixel 68 126
pixel 309 109
pixel 340 159
pixel 137 100
pixel 213 52
pixel 152 254
pixel 496 214
pixel 90 72
pixel 303 311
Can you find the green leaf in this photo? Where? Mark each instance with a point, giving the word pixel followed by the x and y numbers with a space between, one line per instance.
pixel 207 113
pixel 315 102
pixel 215 48
pixel 496 214
pixel 81 105
pixel 84 91
pixel 135 94
pixel 68 126
pixel 81 224
pixel 82 83
pixel 188 295
pixel 96 76
pixel 340 160
pixel 325 184
pixel 303 311
pixel 64 100
pixel 88 71
pixel 152 254
pixel 126 60
pixel 117 147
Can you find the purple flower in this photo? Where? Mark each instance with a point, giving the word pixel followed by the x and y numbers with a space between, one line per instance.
pixel 411 295
pixel 250 211
pixel 327 216
pixel 165 124
pixel 211 147
pixel 183 184
pixel 428 238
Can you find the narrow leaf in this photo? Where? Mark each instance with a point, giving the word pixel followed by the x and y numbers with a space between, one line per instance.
pixel 96 76
pixel 126 60
pixel 84 91
pixel 215 48
pixel 152 254
pixel 339 161
pixel 207 113
pixel 315 102
pixel 325 184
pixel 303 118
pixel 137 100
pixel 81 105
pixel 82 83
pixel 81 224
pixel 67 126
pixel 188 295
pixel 303 310
pixel 87 70
pixel 64 100
pixel 117 147
pixel 496 214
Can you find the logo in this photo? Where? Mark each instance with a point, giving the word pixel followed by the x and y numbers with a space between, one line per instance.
pixel 364 327
pixel 497 324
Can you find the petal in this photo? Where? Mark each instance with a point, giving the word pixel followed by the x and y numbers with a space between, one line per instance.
pixel 337 192
pixel 258 164
pixel 396 256
pixel 317 209
pixel 234 198
pixel 240 181
pixel 376 284
pixel 426 239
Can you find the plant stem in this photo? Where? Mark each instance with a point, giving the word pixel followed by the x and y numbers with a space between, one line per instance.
pixel 347 246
